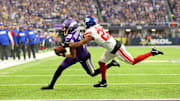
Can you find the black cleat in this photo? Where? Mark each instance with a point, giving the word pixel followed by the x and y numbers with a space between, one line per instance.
pixel 47 88
pixel 155 51
pixel 101 84
pixel 115 63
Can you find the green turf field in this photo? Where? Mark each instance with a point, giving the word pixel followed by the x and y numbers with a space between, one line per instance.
pixel 154 80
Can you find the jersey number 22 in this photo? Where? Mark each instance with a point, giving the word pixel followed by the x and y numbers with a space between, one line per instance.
pixel 104 35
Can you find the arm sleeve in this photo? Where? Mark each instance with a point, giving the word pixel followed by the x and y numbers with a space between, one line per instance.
pixel 11 32
pixel 90 33
pixel 69 39
pixel 10 37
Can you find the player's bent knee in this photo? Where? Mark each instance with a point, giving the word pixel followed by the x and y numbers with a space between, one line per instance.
pixel 131 62
pixel 90 74
pixel 134 62
pixel 101 63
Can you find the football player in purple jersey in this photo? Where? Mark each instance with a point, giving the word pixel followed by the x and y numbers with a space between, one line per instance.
pixel 79 54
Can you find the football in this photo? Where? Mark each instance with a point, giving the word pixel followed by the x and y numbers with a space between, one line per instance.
pixel 60 49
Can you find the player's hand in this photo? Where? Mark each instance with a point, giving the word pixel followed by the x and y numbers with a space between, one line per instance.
pixel 62 54
pixel 57 53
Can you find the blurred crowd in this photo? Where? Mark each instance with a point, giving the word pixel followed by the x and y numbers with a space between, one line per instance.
pixel 134 11
pixel 18 39
pixel 23 12
pixel 144 35
pixel 39 13
pixel 175 9
pixel 141 37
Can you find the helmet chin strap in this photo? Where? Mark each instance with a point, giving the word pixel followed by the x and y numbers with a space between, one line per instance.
pixel 67 32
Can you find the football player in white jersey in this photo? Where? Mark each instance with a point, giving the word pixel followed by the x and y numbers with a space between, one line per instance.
pixel 113 48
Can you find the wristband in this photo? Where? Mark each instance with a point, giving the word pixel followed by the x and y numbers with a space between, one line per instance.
pixel 64 45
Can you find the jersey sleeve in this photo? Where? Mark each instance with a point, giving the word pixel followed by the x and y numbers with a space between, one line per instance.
pixel 11 33
pixel 90 33
pixel 10 36
pixel 74 37
pixel 69 39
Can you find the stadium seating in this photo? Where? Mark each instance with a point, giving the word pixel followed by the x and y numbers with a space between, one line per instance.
pixel 134 11
pixel 41 13
pixel 175 9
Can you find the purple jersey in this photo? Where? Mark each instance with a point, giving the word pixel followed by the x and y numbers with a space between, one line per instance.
pixel 76 36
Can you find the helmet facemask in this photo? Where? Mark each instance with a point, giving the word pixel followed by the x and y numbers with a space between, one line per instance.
pixel 69 29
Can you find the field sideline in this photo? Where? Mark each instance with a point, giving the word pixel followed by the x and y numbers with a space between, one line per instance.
pixel 155 78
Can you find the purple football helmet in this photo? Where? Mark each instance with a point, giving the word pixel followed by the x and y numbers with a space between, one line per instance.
pixel 69 25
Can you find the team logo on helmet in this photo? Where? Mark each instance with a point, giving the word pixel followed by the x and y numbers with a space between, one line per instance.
pixel 69 26
pixel 89 21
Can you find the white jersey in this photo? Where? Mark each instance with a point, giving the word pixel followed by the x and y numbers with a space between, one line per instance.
pixel 101 37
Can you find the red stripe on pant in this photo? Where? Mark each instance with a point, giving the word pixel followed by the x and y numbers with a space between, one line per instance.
pixel 103 70
pixel 137 59
pixel 126 57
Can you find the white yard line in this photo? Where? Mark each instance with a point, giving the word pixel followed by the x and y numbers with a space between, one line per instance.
pixel 87 84
pixel 10 63
pixel 174 46
pixel 80 75
pixel 158 61
pixel 39 56
pixel 167 99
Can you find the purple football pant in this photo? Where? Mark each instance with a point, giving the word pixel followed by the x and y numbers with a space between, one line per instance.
pixel 87 65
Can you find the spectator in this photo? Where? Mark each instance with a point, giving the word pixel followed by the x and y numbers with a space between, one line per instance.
pixel 42 41
pixel 175 9
pixel 5 39
pixel 14 33
pixel 22 40
pixel 31 40
pixel 134 11
pixel 36 12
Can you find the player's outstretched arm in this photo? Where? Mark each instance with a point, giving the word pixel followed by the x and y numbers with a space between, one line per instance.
pixel 82 42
